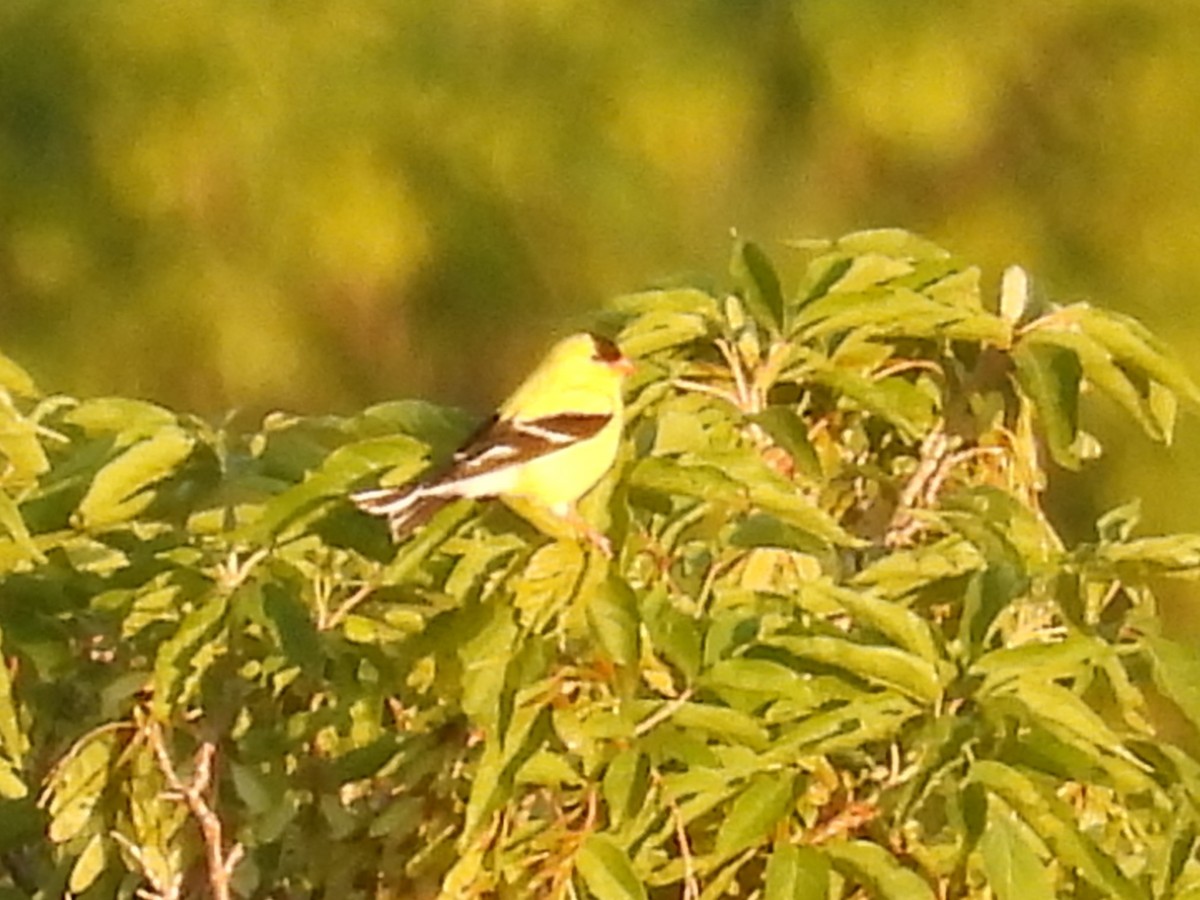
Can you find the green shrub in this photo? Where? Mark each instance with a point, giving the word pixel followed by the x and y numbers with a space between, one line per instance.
pixel 840 650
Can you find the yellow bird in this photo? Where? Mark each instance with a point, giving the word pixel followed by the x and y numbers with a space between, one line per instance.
pixel 548 444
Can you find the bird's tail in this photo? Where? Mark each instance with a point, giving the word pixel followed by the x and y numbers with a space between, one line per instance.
pixel 404 507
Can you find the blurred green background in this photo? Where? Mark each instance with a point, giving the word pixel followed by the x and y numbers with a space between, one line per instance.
pixel 315 205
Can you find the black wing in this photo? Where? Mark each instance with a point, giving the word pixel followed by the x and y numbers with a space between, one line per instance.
pixel 500 443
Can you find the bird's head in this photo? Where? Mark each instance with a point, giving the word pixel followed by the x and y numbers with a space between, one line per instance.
pixel 587 351
pixel 606 352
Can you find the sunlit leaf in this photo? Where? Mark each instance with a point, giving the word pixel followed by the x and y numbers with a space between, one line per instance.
pixel 550 580
pixel 796 873
pixel 13 739
pixel 872 865
pixel 613 616
pixel 672 477
pixel 1014 870
pixel 12 786
pixel 1051 377
pixel 88 865
pixel 75 788
pixel 20 450
pixel 625 781
pixel 907 673
pixel 676 636
pixel 606 870
pixel 184 655
pixel 754 274
pixel 121 489
pixel 755 813
pixel 1055 823
pixel 789 431
pixel 131 420
pixel 904 627
pixel 485 657
pixel 720 721
pixel 1176 671
pixel 16 380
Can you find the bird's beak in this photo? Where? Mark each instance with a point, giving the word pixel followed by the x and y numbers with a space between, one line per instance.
pixel 623 366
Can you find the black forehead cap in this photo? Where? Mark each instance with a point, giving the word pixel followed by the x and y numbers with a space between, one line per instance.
pixel 606 350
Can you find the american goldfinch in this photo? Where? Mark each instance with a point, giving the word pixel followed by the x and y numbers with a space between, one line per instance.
pixel 550 442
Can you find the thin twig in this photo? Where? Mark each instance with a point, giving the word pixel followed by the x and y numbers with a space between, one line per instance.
pixel 159 891
pixel 735 365
pixel 220 863
pixel 691 887
pixel 231 572
pixel 701 388
pixel 904 524
pixel 663 713
pixel 346 608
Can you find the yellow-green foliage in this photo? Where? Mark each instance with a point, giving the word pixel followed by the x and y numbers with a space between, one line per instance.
pixel 839 651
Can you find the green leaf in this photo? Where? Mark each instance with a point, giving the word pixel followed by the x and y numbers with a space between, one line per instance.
pixel 872 865
pixel 898 624
pixel 670 476
pixel 1176 554
pixel 759 285
pixel 844 727
pixel 550 580
pixel 181 656
pixel 755 813
pixel 1055 823
pixel 612 614
pixel 492 785
pixel 606 870
pixel 75 787
pixel 789 431
pixel 294 627
pixel 12 786
pixel 547 769
pixel 896 242
pixel 1051 377
pixel 720 721
pixel 761 676
pixel 870 269
pixel 1101 370
pixel 88 866
pixel 20 450
pixel 1014 870
pixel 626 780
pixel 1073 655
pixel 1063 713
pixel 1131 342
pixel 13 740
pixel 415 551
pixel 130 420
pixel 485 658
pixel 902 572
pixel 120 490
pixel 663 328
pixel 771 494
pixel 675 635
pixel 796 873
pixel 911 675
pixel 672 301
pixel 895 400
pixel 15 379
pixel 1176 672
pixel 11 521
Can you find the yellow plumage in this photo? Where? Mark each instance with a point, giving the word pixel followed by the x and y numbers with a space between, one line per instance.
pixel 550 442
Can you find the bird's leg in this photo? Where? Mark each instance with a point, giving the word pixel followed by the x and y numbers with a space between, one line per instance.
pixel 584 528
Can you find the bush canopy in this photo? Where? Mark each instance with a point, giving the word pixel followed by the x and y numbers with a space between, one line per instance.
pixel 840 649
